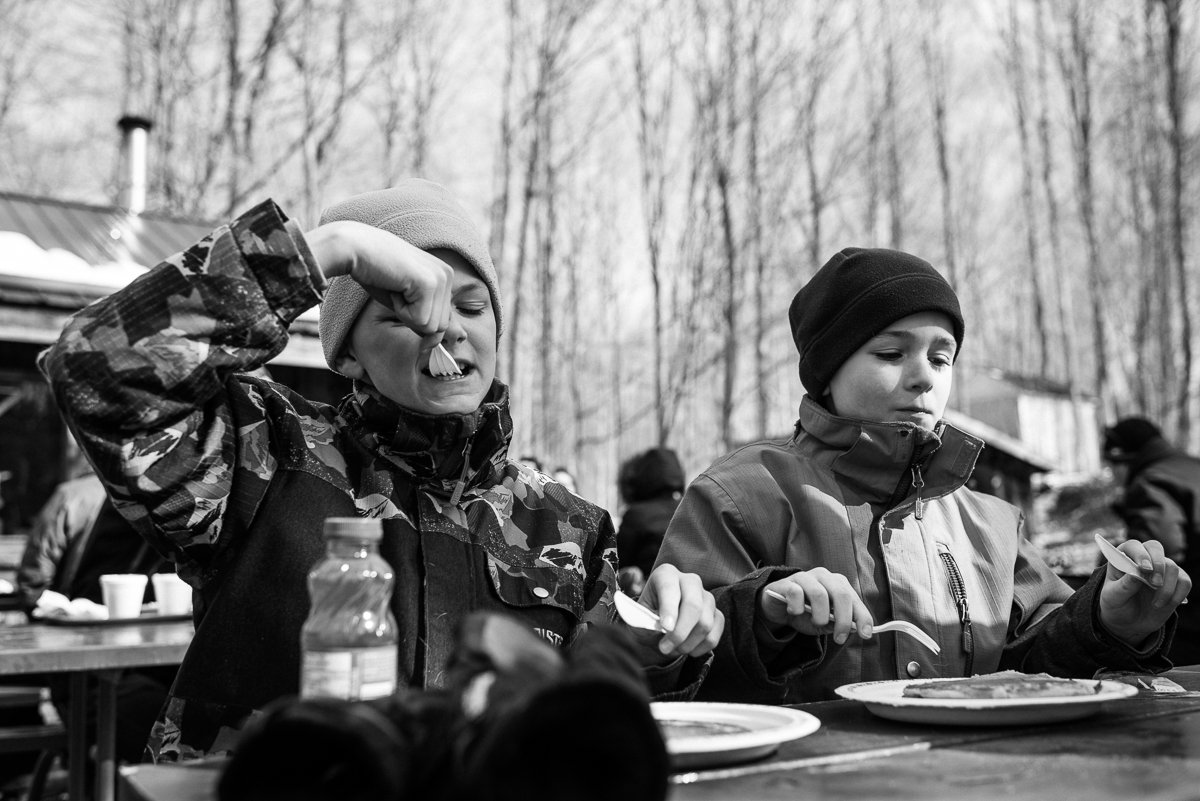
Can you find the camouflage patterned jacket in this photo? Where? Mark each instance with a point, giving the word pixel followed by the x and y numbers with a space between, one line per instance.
pixel 234 475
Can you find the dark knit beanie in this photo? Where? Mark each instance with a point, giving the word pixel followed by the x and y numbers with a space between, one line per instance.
pixel 854 296
pixel 1123 440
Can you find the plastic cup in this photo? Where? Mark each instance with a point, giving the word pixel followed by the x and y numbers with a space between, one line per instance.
pixel 123 593
pixel 172 594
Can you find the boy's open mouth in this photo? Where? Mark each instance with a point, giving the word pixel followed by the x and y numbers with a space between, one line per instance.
pixel 465 369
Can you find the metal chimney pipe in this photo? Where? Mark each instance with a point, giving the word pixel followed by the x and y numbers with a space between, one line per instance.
pixel 134 134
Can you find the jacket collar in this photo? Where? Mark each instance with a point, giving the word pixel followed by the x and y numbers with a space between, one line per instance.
pixel 876 459
pixel 439 452
pixel 1155 450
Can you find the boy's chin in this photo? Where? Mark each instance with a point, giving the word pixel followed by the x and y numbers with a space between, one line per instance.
pixel 443 397
pixel 922 420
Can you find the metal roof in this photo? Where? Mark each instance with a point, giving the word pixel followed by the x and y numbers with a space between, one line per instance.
pixel 113 245
pixel 997 439
pixel 98 234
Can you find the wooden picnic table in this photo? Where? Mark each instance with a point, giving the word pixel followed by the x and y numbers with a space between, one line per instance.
pixel 100 650
pixel 1146 747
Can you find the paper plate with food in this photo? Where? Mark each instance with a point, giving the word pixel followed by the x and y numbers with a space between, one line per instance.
pixel 1005 698
pixel 701 734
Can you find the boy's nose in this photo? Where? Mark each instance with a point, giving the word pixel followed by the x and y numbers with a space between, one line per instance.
pixel 455 331
pixel 920 375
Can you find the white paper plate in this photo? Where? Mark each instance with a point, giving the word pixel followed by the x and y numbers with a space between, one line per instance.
pixel 707 734
pixel 886 699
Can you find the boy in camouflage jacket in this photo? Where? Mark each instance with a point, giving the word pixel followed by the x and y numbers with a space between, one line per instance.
pixel 234 475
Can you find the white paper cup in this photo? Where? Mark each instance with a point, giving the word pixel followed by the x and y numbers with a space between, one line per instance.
pixel 172 594
pixel 123 593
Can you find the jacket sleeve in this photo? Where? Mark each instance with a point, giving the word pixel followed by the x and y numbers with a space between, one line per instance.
pixel 146 379
pixel 1069 640
pixel 628 538
pixel 750 663
pixel 1151 513
pixel 70 511
pixel 677 680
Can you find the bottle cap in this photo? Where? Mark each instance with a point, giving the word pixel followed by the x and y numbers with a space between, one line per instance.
pixel 358 528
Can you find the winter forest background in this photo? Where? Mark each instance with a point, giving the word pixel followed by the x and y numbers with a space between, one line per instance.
pixel 658 177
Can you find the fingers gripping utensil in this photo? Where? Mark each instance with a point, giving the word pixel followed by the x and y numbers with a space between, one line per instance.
pixel 441 363
pixel 901 626
pixel 636 615
pixel 1117 558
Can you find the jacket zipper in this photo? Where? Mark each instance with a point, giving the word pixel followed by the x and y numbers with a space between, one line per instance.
pixel 918 481
pixel 958 589
pixel 914 479
pixel 462 476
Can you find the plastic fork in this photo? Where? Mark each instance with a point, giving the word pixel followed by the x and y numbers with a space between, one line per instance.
pixel 441 363
pixel 1117 558
pixel 901 626
pixel 636 615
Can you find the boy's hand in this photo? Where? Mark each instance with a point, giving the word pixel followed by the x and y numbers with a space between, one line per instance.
pixel 415 284
pixel 685 609
pixel 1131 611
pixel 833 605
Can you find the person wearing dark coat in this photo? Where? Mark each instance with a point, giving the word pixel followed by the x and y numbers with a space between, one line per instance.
pixel 651 483
pixel 1161 502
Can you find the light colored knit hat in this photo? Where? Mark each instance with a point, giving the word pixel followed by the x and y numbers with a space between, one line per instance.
pixel 421 213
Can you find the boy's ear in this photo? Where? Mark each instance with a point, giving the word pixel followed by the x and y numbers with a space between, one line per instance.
pixel 349 366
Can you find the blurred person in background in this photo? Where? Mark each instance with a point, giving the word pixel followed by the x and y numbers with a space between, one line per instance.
pixel 5 475
pixel 565 477
pixel 79 536
pixel 651 484
pixel 1160 501
pixel 532 462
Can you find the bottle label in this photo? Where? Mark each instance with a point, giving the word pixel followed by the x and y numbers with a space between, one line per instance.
pixel 355 674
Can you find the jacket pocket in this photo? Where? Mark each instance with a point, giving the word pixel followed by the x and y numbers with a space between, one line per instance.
pixel 533 587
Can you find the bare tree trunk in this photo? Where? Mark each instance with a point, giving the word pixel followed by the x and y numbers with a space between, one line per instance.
pixel 576 350
pixel 1152 373
pixel 874 117
pixel 1176 112
pixel 504 158
pixel 234 76
pixel 515 304
pixel 895 164
pixel 1075 57
pixel 1139 145
pixel 1053 221
pixel 1016 70
pixel 816 198
pixel 261 66
pixel 548 370
pixel 724 147
pixel 935 70
pixel 754 212
pixel 729 308
pixel 812 83
pixel 652 130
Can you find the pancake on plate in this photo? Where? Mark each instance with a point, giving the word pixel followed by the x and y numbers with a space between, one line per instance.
pixel 1005 684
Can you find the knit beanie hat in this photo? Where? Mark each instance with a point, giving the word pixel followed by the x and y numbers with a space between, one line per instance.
pixel 1123 440
pixel 854 296
pixel 421 213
